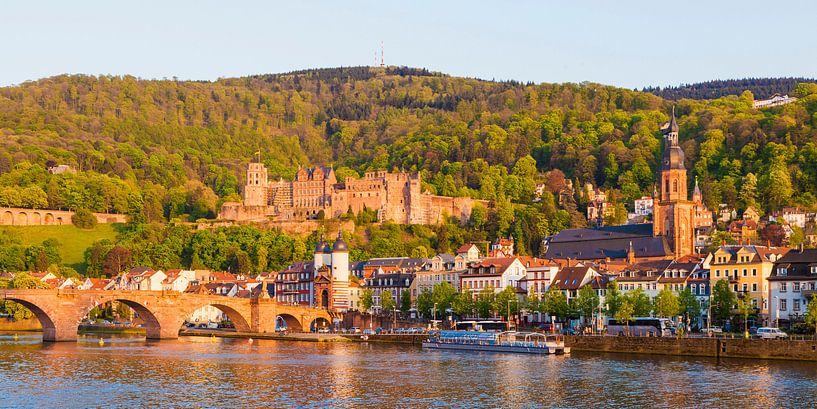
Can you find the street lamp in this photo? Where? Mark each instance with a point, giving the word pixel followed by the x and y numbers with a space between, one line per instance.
pixel 776 312
pixel 434 313
pixel 509 314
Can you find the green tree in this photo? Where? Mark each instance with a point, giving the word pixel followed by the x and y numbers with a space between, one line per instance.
pixel 367 299
pixel 723 299
pixel 587 302
pixel 485 302
pixel 425 303
pixel 744 308
pixel 506 302
pixel 748 191
pixel 443 295
pixel 811 312
pixel 386 301
pixel 613 299
pixel 405 301
pixel 666 303
pixel 463 304
pixel 690 308
pixel 624 314
pixel 778 187
pixel 84 219
pixel 640 301
pixel 555 302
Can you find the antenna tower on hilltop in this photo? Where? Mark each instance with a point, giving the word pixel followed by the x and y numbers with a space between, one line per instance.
pixel 382 60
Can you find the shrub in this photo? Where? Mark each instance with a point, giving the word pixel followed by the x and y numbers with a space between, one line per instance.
pixel 84 219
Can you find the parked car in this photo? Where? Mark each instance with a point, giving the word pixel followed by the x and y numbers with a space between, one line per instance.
pixel 324 330
pixel 771 333
pixel 716 330
pixel 355 330
pixel 752 330
pixel 368 332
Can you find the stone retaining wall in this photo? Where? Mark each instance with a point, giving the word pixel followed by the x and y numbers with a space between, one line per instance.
pixel 708 347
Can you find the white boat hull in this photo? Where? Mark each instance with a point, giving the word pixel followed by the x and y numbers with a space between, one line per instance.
pixel 540 350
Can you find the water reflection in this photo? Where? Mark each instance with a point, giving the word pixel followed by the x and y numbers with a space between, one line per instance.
pixel 200 372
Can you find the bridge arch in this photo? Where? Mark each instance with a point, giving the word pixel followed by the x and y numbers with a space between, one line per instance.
pixel 49 327
pixel 242 324
pixel 153 327
pixel 293 324
pixel 318 323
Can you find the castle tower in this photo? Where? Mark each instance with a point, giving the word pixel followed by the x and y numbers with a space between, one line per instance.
pixel 255 190
pixel 340 274
pixel 673 212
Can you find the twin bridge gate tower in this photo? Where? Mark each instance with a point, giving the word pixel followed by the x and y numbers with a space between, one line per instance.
pixel 163 312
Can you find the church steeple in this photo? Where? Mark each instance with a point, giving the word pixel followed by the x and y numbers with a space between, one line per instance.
pixel 673 214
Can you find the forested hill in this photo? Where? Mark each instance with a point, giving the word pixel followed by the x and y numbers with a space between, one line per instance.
pixel 761 88
pixel 162 149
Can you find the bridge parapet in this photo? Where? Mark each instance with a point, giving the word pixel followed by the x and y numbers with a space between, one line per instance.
pixel 164 312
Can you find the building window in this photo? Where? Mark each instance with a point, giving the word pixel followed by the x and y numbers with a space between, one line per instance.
pixel 783 287
pixel 745 272
pixel 754 272
pixel 796 286
pixel 795 305
pixel 782 305
pixel 745 287
pixel 754 286
pixel 717 273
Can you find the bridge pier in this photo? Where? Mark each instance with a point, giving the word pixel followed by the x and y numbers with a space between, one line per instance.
pixel 60 332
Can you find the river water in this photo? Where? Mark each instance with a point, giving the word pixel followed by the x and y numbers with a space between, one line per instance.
pixel 200 372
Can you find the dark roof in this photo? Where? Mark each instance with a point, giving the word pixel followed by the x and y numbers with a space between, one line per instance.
pixel 604 242
pixel 798 262
pixel 673 123
pixel 606 232
pixel 570 278
pixel 340 245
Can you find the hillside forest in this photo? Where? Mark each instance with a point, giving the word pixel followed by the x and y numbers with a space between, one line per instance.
pixel 169 152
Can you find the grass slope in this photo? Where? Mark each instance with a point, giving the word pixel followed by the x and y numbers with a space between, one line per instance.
pixel 73 240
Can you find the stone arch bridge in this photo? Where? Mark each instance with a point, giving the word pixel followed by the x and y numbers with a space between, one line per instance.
pixel 163 312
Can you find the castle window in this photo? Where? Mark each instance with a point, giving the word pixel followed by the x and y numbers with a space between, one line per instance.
pixel 674 185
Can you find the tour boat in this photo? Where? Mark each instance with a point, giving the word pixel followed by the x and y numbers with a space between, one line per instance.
pixel 508 341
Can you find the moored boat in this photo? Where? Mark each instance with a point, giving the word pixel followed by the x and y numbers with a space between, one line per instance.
pixel 508 341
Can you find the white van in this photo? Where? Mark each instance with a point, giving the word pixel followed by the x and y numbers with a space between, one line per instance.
pixel 771 333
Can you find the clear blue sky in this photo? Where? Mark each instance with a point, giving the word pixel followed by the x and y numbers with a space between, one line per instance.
pixel 624 43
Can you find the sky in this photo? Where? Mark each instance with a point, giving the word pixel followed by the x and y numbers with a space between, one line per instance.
pixel 623 43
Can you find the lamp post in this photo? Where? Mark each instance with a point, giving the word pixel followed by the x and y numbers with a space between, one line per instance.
pixel 776 312
pixel 394 324
pixel 709 313
pixel 434 314
pixel 509 315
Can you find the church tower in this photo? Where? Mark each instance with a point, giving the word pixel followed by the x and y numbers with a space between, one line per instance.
pixel 673 212
pixel 340 274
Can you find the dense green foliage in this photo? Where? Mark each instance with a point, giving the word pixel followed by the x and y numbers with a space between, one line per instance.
pixel 165 150
pixel 761 88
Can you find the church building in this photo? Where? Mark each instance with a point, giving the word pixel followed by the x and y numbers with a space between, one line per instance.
pixel 673 212
pixel 669 236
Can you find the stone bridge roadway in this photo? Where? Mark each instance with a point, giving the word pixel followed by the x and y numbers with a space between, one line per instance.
pixel 163 312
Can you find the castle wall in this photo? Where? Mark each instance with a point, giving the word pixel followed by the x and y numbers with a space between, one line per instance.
pixel 395 197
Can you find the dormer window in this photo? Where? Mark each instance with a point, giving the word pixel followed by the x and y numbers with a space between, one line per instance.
pixel 813 269
pixel 782 271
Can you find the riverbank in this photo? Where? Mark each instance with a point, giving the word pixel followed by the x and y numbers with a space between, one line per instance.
pixel 305 337
pixel 28 325
pixel 411 339
pixel 109 329
pixel 704 347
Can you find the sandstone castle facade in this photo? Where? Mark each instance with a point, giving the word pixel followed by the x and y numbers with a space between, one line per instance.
pixel 396 197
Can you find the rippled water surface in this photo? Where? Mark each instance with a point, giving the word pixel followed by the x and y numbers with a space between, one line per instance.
pixel 200 372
